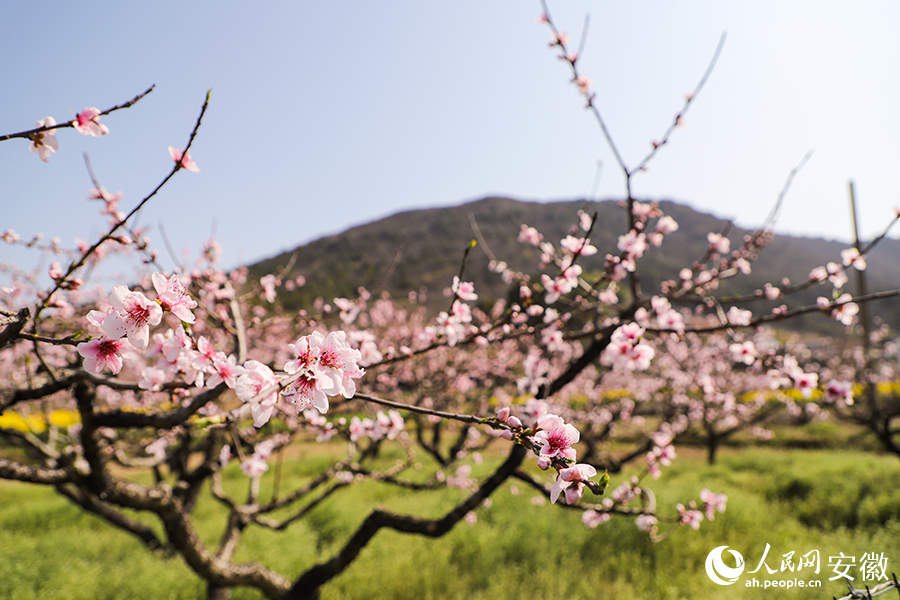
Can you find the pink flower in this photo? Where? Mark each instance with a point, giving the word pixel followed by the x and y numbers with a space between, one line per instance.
pixel 390 425
pixel 608 296
pixel 530 235
pixel 585 220
pixel 845 311
pixel 102 353
pixel 45 142
pixel 579 472
pixel 365 342
pixel 643 210
pixel 173 343
pixel 851 256
pixel 625 350
pixel 579 246
pixel 554 287
pixel 671 320
pixel 226 370
pixel 183 159
pixel 839 391
pixel 645 523
pixel 806 383
pixel 212 252
pixel 86 123
pixel 349 309
pixel 359 428
pixel 464 290
pixel 745 352
pixel 338 361
pixel 570 480
pixel 450 326
pixel 56 272
pixel 713 503
pixel 639 358
pixel 690 517
pixel 666 225
pixel 556 437
pixel 583 82
pixel 254 466
pixel 111 200
pixel 560 39
pixel 309 390
pixel 152 379
pixel 718 244
pixel 836 274
pixel 258 377
pixel 133 315
pixel 269 283
pixel 173 297
pixel 461 312
pixel 633 245
pixel 592 518
pixel 206 353
pixel 562 285
pixel 737 316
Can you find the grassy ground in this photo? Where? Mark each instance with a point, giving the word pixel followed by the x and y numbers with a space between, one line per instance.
pixel 795 500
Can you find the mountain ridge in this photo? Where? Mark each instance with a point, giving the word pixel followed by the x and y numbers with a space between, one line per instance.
pixel 424 247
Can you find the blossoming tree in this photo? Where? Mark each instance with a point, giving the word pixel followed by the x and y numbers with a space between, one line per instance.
pixel 182 374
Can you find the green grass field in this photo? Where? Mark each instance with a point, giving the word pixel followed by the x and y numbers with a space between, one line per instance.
pixel 795 500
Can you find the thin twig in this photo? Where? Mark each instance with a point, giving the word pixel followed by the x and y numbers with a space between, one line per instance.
pixel 87 253
pixel 688 101
pixel 481 241
pixel 31 132
pixel 426 411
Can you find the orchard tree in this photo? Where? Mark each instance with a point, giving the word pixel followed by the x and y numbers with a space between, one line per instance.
pixel 192 374
pixel 862 373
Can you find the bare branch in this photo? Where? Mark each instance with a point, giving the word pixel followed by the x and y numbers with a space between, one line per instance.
pixel 13 470
pixel 110 515
pixel 75 265
pixel 30 132
pixel 307 585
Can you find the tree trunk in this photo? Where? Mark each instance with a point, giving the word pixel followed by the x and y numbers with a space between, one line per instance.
pixel 712 444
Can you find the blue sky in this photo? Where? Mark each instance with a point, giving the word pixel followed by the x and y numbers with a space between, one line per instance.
pixel 326 115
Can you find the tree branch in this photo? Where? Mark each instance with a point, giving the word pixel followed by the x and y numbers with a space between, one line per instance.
pixel 307 585
pixel 13 470
pixel 30 132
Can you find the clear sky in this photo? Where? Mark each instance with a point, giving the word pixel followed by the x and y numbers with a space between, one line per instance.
pixel 326 115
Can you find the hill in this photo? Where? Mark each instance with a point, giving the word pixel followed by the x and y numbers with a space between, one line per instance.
pixel 419 249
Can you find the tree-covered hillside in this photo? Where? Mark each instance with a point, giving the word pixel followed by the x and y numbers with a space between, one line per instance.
pixel 423 249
